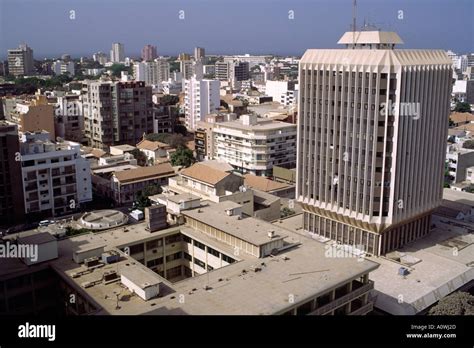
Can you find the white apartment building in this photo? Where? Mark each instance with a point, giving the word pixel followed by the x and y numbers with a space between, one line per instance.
pixel 60 67
pixel 284 92
pixel 153 73
pixel 201 97
pixel 372 128
pixel 253 145
pixel 56 179
pixel 117 53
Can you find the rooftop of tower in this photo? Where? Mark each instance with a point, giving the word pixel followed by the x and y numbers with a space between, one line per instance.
pixel 370 39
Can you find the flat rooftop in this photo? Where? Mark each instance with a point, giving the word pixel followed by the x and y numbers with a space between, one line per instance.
pixel 300 272
pixel 249 229
pixel 440 271
pixel 262 124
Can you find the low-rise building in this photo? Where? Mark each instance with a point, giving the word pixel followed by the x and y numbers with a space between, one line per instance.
pixel 126 184
pixel 155 151
pixel 253 145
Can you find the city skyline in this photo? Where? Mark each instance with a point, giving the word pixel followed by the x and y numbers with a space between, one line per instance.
pixel 163 18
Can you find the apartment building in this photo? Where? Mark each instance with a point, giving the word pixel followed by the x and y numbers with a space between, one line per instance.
pixel 284 92
pixel 69 117
pixel 201 97
pixel 458 160
pixel 11 192
pixel 152 72
pixel 149 53
pixel 372 130
pixel 60 67
pixel 116 113
pixel 117 53
pixel 56 178
pixel 199 53
pixel 20 61
pixel 33 115
pixel 232 70
pixel 253 145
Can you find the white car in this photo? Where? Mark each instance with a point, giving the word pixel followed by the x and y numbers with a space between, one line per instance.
pixel 45 222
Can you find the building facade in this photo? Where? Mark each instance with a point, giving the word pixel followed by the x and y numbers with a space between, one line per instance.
pixel 149 53
pixel 201 98
pixel 116 113
pixel 20 61
pixel 11 192
pixel 153 73
pixel 372 129
pixel 253 145
pixel 56 179
pixel 117 53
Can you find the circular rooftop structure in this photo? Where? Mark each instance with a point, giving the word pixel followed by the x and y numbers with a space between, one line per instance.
pixel 103 219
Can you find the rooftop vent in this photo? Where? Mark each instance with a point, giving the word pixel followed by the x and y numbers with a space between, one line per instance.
pixel 271 234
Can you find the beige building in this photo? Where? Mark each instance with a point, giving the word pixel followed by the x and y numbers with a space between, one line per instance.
pixel 35 115
pixel 214 181
pixel 254 145
pixel 372 130
pixel 126 184
pixel 155 151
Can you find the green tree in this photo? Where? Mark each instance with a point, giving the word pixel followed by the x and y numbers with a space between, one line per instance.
pixel 286 212
pixel 169 99
pixel 462 107
pixel 182 157
pixel 142 197
pixel 116 69
pixel 140 157
pixel 468 144
pixel 161 137
pixel 458 303
pixel 180 129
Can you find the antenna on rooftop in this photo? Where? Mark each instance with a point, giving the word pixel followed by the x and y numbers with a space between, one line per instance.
pixel 354 20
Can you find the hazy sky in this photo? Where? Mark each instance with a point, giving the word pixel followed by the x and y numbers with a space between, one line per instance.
pixel 225 26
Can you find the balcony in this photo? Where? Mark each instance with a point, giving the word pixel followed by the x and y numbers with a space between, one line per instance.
pixel 344 299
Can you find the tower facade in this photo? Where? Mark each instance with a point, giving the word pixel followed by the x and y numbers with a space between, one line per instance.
pixel 372 127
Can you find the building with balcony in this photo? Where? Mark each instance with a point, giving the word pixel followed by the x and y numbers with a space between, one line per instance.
pixel 56 178
pixel 253 145
pixel 116 113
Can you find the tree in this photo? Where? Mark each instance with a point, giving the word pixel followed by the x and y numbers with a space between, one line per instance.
pixel 142 198
pixel 286 212
pixel 462 107
pixel 182 157
pixel 140 157
pixel 180 129
pixel 169 99
pixel 116 69
pixel 458 303
pixel 468 144
pixel 469 189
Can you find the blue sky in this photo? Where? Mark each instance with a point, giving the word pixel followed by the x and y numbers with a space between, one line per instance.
pixel 225 26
